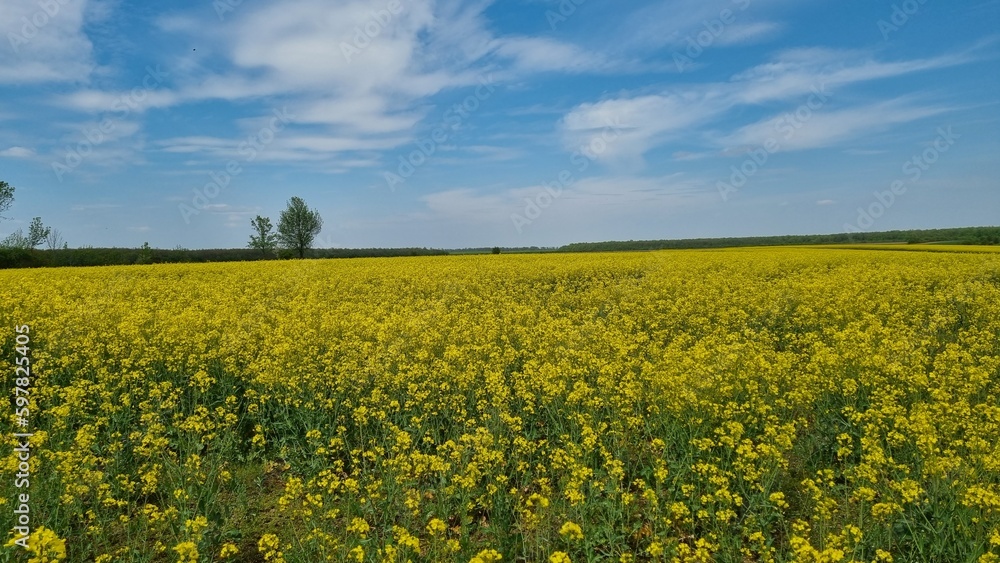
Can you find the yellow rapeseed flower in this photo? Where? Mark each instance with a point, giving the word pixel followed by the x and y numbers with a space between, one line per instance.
pixel 571 531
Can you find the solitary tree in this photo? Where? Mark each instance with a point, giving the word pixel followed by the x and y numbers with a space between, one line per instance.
pixel 299 226
pixel 37 232
pixel 6 197
pixel 145 254
pixel 263 238
pixel 54 240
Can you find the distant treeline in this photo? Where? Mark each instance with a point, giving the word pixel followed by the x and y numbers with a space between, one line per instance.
pixel 28 258
pixel 25 258
pixel 504 250
pixel 965 235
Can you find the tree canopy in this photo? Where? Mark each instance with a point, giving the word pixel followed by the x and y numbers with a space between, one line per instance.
pixel 6 197
pixel 298 226
pixel 263 238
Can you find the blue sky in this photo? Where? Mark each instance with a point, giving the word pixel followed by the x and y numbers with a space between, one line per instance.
pixel 516 123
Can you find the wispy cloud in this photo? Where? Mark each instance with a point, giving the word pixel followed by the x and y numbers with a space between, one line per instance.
pixel 741 34
pixel 542 54
pixel 349 93
pixel 17 152
pixel 672 24
pixel 468 204
pixel 86 207
pixel 653 119
pixel 825 128
pixel 41 46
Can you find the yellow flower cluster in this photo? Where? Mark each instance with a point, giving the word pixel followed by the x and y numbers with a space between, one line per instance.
pixel 44 546
pixel 809 404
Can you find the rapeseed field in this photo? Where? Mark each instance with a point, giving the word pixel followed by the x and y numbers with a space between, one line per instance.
pixel 812 405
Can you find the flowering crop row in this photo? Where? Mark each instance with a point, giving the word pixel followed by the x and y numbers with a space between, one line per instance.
pixel 736 405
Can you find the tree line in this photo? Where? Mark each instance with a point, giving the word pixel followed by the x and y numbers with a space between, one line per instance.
pixel 298 226
pixel 962 235
pixel 37 234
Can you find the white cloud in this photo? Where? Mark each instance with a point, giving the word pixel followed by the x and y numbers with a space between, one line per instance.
pixel 116 102
pixel 286 146
pixel 234 216
pixel 823 128
pixel 799 71
pixel 642 121
pixel 44 47
pixel 111 131
pixel 372 115
pixel 354 93
pixel 466 204
pixel 650 120
pixel 676 22
pixel 742 34
pixel 540 54
pixel 355 76
pixel 17 152
pixel 620 194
